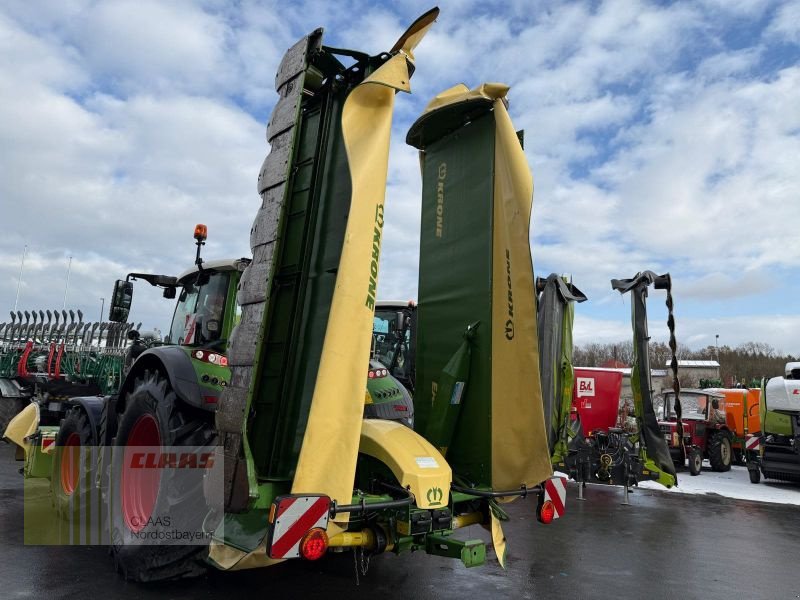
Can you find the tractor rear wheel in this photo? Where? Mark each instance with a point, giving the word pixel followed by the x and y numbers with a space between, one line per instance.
pixel 719 452
pixel 152 507
pixel 9 408
pixel 695 461
pixel 73 466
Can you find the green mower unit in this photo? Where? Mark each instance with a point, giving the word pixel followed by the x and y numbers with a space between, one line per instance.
pixel 556 314
pixel 263 398
pixel 644 453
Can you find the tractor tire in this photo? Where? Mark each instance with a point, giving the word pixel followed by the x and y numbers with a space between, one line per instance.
pixel 755 475
pixel 9 408
pixel 720 454
pixel 695 461
pixel 149 505
pixel 73 467
pixel 681 463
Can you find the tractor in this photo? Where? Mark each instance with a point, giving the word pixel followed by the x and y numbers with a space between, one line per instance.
pixel 705 432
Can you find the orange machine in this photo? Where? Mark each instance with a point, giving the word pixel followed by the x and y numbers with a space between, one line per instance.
pixel 741 412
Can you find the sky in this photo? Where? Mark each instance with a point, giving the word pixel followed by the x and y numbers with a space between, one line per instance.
pixel 661 136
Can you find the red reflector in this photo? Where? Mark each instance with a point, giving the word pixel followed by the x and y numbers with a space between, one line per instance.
pixel 400 407
pixel 314 544
pixel 546 512
pixel 211 399
pixel 223 361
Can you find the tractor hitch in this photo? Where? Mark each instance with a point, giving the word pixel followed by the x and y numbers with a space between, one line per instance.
pixel 471 552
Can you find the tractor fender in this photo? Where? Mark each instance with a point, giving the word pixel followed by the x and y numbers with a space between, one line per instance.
pixel 176 366
pixel 93 407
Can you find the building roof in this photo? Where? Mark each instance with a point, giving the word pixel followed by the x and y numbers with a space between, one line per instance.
pixel 626 371
pixel 695 364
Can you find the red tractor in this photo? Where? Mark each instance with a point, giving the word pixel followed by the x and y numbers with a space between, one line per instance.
pixel 705 432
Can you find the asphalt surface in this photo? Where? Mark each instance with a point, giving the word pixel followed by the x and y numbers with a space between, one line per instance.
pixel 661 546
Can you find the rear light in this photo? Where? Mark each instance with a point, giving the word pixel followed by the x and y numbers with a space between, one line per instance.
pixel 400 407
pixel 314 544
pixel 211 358
pixel 547 511
pixel 377 373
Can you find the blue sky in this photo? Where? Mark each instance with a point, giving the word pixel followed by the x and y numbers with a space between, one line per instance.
pixel 662 136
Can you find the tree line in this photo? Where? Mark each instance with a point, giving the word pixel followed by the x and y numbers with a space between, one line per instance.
pixel 745 364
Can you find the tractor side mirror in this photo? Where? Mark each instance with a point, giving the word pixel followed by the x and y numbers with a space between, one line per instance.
pixel 169 293
pixel 121 301
pixel 400 321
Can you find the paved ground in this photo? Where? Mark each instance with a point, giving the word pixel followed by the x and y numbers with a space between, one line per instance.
pixel 661 546
pixel 733 484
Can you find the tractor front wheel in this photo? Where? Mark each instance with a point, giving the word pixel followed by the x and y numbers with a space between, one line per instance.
pixel 154 504
pixel 695 461
pixel 73 465
pixel 719 452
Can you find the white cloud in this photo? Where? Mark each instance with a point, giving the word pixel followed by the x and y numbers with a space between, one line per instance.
pixel 655 141
pixel 786 23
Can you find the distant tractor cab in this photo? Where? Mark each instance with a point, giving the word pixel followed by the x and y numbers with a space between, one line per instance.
pixel 705 431
pixel 394 335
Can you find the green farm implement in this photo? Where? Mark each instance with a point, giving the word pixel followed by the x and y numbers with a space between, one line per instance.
pixel 256 416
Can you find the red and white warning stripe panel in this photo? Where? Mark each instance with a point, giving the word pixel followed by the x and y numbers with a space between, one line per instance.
pixel 555 490
pixel 291 518
pixel 48 441
pixel 752 442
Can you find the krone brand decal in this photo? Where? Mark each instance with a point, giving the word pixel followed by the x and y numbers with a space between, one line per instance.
pixel 434 495
pixel 440 199
pixel 510 322
pixel 510 329
pixel 376 254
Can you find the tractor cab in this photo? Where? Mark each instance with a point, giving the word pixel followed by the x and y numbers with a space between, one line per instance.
pixel 393 334
pixel 206 310
pixel 695 405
